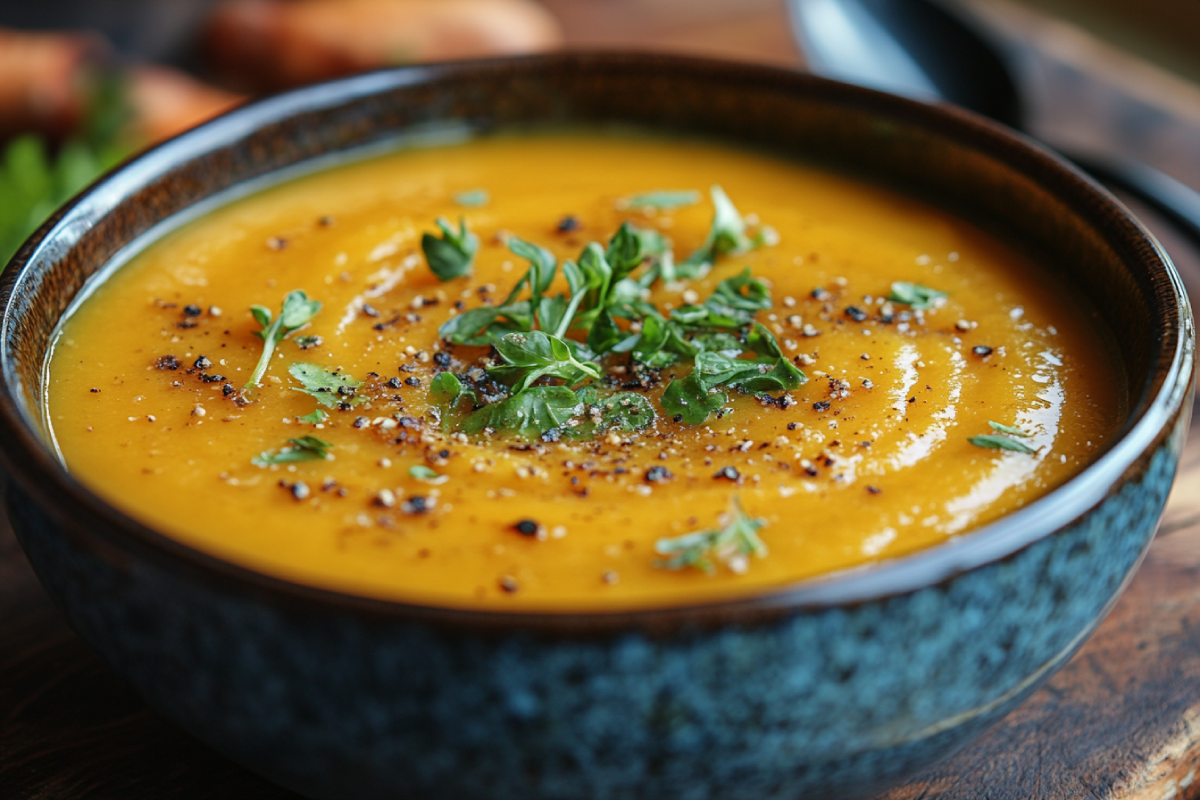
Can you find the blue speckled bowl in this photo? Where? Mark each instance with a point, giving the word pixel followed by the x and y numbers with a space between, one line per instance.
pixel 830 688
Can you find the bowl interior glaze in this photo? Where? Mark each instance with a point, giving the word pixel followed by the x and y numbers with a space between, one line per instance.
pixel 957 161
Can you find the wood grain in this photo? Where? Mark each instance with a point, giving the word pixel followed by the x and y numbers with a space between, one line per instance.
pixel 1120 722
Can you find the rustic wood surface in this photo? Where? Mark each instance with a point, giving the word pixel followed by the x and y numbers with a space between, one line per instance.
pixel 1120 722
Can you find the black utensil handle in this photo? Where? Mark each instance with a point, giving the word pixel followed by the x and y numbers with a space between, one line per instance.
pixel 1176 201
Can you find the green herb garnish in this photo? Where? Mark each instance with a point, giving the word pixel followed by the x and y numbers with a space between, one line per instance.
pixel 330 389
pixel 726 236
pixel 451 256
pixel 662 200
pixel 533 355
pixel 691 401
pixel 424 473
pixel 296 312
pixel 915 295
pixel 1003 442
pixel 315 418
pixel 1011 431
pixel 731 545
pixel 472 198
pixel 305 448
pixel 526 415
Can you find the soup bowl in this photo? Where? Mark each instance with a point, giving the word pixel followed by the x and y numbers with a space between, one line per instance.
pixel 837 686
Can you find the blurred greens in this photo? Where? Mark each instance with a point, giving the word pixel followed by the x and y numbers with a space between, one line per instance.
pixel 36 178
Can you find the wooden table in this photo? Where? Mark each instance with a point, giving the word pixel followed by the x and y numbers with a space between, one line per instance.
pixel 1120 722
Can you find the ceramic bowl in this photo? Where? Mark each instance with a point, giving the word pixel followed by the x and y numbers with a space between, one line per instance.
pixel 828 688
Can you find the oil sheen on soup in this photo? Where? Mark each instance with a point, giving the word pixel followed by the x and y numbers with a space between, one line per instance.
pixel 623 371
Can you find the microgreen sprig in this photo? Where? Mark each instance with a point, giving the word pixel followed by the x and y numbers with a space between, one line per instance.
pixel 732 544
pixel 304 448
pixel 452 255
pixel 1004 441
pixel 296 312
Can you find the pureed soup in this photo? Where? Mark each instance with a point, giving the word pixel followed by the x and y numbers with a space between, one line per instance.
pixel 621 372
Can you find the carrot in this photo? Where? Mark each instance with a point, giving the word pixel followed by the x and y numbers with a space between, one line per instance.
pixel 46 80
pixel 263 45
pixel 164 102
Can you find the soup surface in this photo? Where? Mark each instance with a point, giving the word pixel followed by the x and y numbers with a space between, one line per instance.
pixel 913 329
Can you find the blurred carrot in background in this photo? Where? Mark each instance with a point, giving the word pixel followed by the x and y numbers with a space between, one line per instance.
pixel 69 109
pixel 265 45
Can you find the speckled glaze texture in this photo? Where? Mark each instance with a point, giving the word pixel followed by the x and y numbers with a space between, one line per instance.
pixel 822 704
pixel 832 688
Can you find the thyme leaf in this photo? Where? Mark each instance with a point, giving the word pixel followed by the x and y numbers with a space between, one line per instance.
pixel 732 545
pixel 304 448
pixel 296 312
pixel 452 255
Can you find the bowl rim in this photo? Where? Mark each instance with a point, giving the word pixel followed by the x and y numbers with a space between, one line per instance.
pixel 40 473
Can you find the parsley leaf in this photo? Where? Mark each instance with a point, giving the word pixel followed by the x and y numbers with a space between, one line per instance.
pixel 526 415
pixel 1001 443
pixel 328 388
pixel 296 312
pixel 690 399
pixel 305 448
pixel 424 473
pixel 315 418
pixel 533 355
pixel 664 200
pixel 915 295
pixel 631 246
pixel 731 545
pixel 451 256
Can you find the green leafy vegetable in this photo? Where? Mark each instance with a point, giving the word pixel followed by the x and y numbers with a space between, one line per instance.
pixel 473 198
pixel 689 399
pixel 424 473
pixel 664 200
pixel 1001 443
pixel 305 448
pixel 526 415
pixel 996 426
pixel 315 418
pixel 486 325
pixel 330 389
pixel 731 545
pixel 542 268
pixel 915 295
pixel 448 394
pixel 726 236
pixel 296 312
pixel 34 181
pixel 620 412
pixel 451 256
pixel 533 355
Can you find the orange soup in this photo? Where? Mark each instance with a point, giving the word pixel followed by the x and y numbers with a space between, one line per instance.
pixel 623 372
